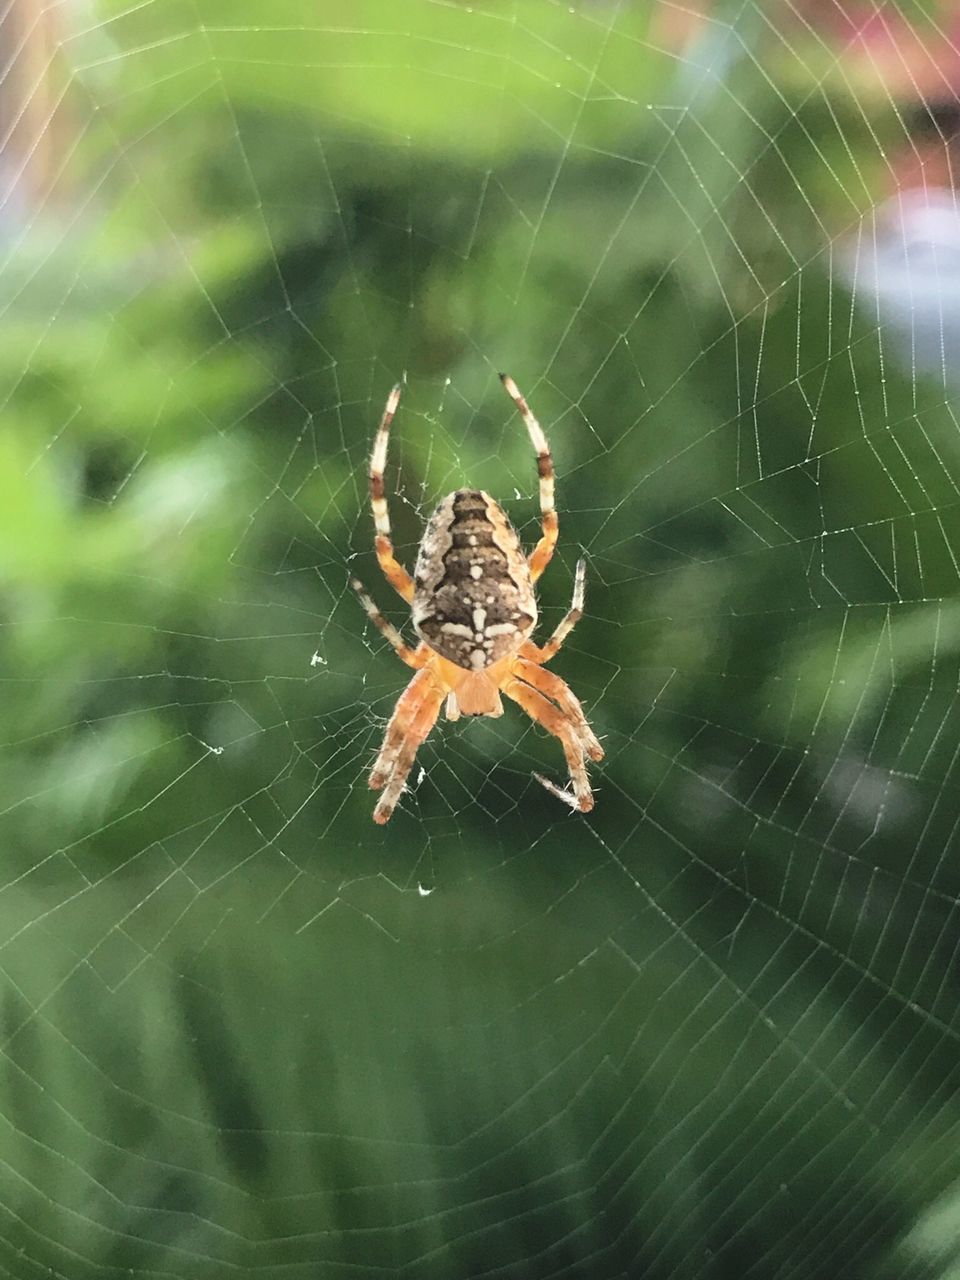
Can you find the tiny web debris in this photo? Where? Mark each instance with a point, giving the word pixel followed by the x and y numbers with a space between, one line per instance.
pixel 567 797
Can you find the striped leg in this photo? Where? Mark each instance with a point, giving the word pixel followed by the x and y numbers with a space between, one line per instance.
pixel 412 657
pixel 539 558
pixel 393 570
pixel 566 624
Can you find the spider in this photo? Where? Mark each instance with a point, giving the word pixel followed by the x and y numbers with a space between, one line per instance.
pixel 474 609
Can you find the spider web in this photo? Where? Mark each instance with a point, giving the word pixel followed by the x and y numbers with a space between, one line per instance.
pixel 712 1028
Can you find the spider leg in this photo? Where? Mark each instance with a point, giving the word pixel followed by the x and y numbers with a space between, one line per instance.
pixel 566 624
pixel 393 570
pixel 415 715
pixel 538 708
pixel 564 697
pixel 407 706
pixel 539 558
pixel 412 657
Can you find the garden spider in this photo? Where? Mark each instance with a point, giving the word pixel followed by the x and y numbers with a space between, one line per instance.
pixel 474 608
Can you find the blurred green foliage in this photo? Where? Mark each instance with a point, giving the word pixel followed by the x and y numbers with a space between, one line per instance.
pixel 712 1029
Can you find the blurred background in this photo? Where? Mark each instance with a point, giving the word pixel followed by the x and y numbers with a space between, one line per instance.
pixel 710 1029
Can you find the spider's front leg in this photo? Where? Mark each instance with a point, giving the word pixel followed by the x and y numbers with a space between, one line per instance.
pixel 538 708
pixel 553 687
pixel 414 716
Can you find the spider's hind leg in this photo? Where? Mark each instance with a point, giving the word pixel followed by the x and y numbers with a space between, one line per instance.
pixel 539 557
pixel 393 570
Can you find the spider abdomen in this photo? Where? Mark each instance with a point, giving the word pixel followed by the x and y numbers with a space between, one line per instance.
pixel 473 597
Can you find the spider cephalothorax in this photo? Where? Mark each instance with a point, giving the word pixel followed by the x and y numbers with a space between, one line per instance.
pixel 474 608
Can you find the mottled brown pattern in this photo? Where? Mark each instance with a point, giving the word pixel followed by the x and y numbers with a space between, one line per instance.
pixel 474 609
pixel 473 601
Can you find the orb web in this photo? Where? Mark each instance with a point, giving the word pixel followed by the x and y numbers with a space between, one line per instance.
pixel 710 1029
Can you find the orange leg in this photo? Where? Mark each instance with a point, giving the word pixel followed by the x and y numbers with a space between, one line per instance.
pixel 539 558
pixel 404 713
pixel 415 715
pixel 393 570
pixel 566 700
pixel 538 708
